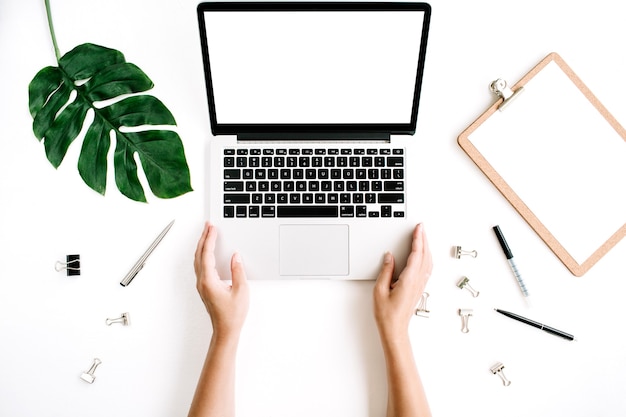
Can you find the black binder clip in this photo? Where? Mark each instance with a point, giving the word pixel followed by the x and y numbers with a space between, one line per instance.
pixel 499 87
pixel 71 265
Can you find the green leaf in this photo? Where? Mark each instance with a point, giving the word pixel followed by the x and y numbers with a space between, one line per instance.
pixel 46 115
pixel 88 59
pixel 45 83
pixel 138 111
pixel 93 156
pixel 116 80
pixel 97 74
pixel 126 171
pixel 63 131
pixel 161 154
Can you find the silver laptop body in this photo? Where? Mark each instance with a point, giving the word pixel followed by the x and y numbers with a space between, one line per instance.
pixel 311 105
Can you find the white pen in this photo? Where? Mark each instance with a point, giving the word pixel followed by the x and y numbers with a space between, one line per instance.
pixel 142 261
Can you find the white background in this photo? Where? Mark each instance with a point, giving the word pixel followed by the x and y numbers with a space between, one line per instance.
pixel 308 348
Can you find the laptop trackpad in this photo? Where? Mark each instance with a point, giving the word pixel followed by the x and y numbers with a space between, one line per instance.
pixel 314 250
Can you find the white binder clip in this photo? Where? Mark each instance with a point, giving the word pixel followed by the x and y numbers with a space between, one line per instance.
pixel 497 369
pixel 88 376
pixel 464 283
pixel 499 87
pixel 457 252
pixel 124 320
pixel 465 314
pixel 422 310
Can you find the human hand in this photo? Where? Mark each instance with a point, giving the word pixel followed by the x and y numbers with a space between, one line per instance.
pixel 227 304
pixel 394 302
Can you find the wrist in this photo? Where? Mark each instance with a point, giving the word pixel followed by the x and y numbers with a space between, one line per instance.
pixel 394 341
pixel 221 339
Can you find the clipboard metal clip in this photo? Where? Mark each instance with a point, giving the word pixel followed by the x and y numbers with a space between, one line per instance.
pixel 500 88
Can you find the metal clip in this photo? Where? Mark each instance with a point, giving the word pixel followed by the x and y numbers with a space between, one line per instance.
pixel 88 376
pixel 422 310
pixel 465 314
pixel 497 369
pixel 457 252
pixel 124 319
pixel 464 283
pixel 71 265
pixel 499 87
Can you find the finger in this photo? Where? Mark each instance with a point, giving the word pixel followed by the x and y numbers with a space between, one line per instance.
pixel 209 246
pixel 200 246
pixel 419 247
pixel 383 281
pixel 427 258
pixel 238 272
pixel 418 235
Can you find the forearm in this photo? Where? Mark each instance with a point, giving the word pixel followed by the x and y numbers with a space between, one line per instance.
pixel 215 393
pixel 406 397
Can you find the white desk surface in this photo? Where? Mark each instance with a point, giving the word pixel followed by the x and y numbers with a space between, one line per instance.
pixel 308 348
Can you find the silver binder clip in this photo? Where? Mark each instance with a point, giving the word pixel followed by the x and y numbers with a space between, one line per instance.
pixel 500 88
pixel 88 376
pixel 497 369
pixel 71 265
pixel 422 310
pixel 464 283
pixel 465 314
pixel 457 252
pixel 124 319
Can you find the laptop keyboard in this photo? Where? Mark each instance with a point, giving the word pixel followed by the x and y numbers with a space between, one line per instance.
pixel 287 182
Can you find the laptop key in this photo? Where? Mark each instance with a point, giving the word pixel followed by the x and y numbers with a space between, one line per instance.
pixel 347 211
pixel 395 161
pixel 394 186
pixel 232 174
pixel 388 198
pixel 236 198
pixel 233 186
pixel 268 211
pixel 307 211
pixel 229 211
pixel 241 211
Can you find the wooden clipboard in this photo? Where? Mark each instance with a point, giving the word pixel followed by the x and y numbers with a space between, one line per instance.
pixel 573 113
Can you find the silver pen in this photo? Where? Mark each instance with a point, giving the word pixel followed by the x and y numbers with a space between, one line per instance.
pixel 142 261
pixel 509 258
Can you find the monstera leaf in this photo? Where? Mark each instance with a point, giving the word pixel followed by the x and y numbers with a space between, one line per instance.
pixel 96 84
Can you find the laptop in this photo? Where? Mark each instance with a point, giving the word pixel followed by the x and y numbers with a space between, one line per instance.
pixel 311 105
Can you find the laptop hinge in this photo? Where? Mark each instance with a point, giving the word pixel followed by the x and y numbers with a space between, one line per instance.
pixel 286 136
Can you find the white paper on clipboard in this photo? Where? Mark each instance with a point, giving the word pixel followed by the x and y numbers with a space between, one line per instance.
pixel 560 158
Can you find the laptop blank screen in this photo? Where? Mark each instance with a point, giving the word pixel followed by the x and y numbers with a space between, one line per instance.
pixel 294 69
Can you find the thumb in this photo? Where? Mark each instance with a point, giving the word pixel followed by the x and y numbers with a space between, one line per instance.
pixel 383 282
pixel 237 271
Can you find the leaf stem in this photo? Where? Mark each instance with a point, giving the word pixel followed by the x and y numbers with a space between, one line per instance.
pixel 51 26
